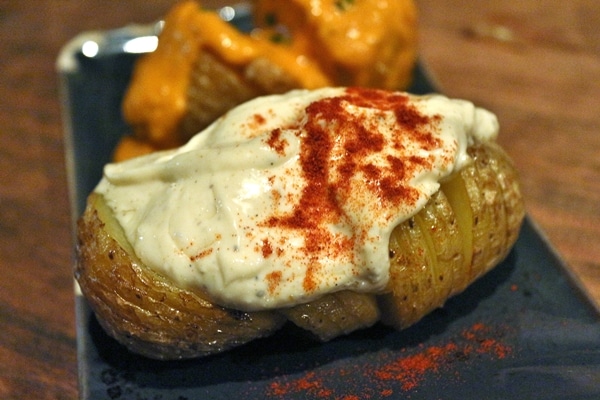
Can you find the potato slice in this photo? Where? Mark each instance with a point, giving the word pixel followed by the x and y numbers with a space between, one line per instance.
pixel 335 314
pixel 467 228
pixel 507 178
pixel 426 264
pixel 142 309
pixel 487 208
pixel 496 206
pixel 216 87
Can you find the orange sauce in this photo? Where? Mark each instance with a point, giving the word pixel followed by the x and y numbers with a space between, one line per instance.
pixel 324 43
pixel 370 43
pixel 156 99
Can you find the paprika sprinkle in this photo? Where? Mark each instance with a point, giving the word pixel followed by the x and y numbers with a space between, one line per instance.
pixel 392 373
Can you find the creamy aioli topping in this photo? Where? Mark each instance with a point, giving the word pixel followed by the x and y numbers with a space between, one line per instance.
pixel 289 197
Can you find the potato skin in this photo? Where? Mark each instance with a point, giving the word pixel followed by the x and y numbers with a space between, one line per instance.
pixel 335 314
pixel 145 312
pixel 466 229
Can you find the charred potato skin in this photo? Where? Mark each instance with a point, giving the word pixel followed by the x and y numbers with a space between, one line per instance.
pixel 142 310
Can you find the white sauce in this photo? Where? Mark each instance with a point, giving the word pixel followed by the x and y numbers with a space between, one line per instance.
pixel 199 214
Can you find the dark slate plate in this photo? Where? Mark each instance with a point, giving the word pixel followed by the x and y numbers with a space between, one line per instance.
pixel 525 330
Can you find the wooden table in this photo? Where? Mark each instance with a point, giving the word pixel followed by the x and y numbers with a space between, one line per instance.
pixel 536 63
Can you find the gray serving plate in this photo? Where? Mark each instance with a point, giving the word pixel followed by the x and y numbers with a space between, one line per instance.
pixel 526 330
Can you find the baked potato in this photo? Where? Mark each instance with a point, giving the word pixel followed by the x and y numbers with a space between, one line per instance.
pixel 466 228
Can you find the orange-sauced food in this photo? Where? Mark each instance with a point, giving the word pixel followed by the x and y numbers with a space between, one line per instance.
pixel 314 43
pixel 156 97
pixel 356 42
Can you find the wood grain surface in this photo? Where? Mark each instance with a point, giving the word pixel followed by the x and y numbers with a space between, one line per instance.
pixel 535 63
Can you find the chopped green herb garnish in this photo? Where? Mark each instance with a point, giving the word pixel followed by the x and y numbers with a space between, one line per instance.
pixel 270 19
pixel 279 37
pixel 343 5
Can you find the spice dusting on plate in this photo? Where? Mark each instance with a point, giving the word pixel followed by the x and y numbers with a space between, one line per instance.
pixel 396 372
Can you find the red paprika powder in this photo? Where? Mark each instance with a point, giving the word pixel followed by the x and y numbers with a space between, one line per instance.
pixel 405 369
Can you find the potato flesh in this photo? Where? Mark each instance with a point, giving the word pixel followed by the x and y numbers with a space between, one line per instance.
pixel 466 228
